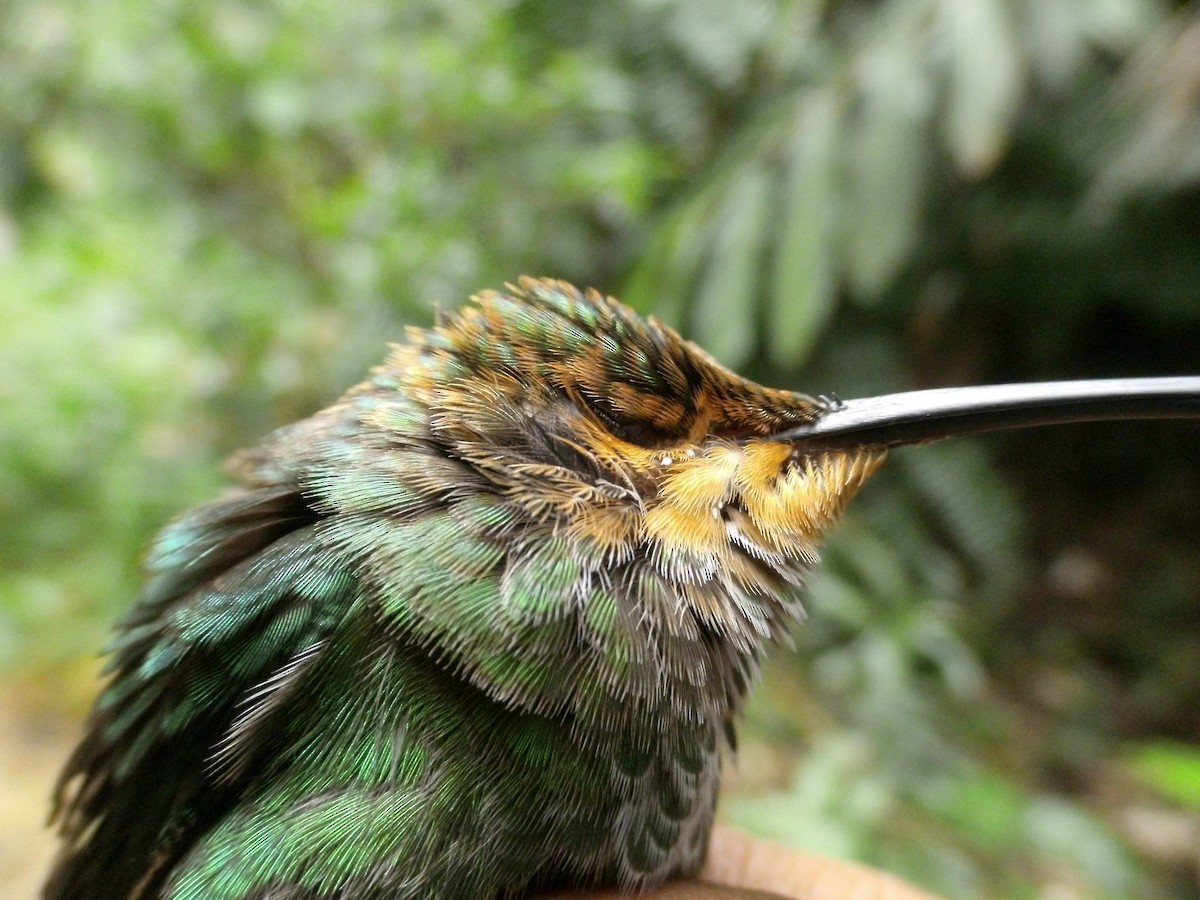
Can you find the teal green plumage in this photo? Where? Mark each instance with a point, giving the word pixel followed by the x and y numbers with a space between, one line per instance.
pixel 443 642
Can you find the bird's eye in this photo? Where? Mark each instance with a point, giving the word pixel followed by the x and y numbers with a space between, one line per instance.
pixel 630 429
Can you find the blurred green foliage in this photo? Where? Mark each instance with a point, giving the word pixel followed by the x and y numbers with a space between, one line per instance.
pixel 213 215
pixel 1172 769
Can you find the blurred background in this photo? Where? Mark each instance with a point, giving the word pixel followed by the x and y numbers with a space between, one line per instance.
pixel 213 215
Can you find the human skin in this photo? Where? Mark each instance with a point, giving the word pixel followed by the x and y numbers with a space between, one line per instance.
pixel 741 867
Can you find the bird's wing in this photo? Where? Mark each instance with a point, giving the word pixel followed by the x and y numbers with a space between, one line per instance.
pixel 240 595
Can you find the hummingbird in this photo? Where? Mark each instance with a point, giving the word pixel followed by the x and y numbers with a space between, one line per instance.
pixel 484 626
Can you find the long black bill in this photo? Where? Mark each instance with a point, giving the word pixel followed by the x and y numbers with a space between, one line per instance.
pixel 921 416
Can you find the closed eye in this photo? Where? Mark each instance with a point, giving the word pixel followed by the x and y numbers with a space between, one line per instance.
pixel 631 430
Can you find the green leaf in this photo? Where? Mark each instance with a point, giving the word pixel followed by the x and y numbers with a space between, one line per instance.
pixel 984 805
pixel 1067 834
pixel 887 155
pixel 662 281
pixel 971 506
pixel 985 82
pixel 804 278
pixel 724 313
pixel 1171 769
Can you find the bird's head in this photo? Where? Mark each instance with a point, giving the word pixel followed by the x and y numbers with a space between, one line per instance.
pixel 553 448
pixel 630 442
